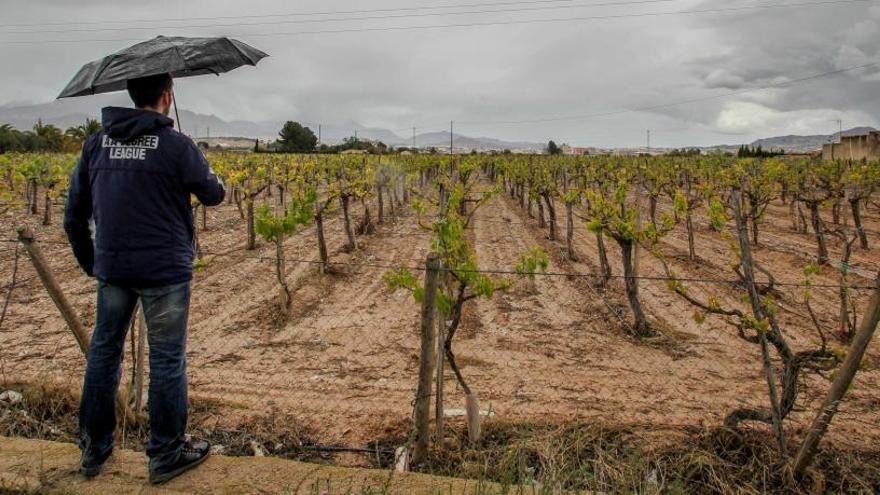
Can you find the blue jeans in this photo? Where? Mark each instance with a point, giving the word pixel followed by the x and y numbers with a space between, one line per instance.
pixel 166 310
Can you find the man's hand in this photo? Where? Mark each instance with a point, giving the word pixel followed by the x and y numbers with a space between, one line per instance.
pixel 78 214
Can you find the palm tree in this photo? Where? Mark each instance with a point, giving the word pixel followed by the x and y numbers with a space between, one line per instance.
pixel 10 139
pixel 50 137
pixel 80 133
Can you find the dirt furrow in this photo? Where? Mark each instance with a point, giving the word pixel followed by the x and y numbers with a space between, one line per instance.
pixel 583 366
pixel 351 349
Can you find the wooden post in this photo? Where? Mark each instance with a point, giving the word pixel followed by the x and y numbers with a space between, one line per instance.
pixel 472 409
pixel 322 244
pixel 26 237
pixel 426 362
pixel 141 357
pixel 439 414
pixel 841 383
pixel 45 273
pixel 251 234
pixel 401 460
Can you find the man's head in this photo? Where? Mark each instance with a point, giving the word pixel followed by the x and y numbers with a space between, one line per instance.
pixel 152 92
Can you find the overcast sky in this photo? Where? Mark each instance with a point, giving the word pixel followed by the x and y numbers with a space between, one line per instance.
pixel 480 76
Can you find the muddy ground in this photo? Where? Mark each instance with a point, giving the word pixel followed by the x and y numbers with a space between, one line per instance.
pixel 345 362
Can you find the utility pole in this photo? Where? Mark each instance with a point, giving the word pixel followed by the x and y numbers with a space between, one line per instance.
pixel 414 138
pixel 640 184
pixel 355 135
pixel 839 136
pixel 450 137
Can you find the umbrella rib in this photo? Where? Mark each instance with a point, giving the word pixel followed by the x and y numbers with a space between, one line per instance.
pixel 181 57
pixel 100 70
pixel 238 50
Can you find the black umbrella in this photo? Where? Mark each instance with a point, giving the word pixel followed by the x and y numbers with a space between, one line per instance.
pixel 178 56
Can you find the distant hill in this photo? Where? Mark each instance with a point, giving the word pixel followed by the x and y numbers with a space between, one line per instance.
pixel 803 144
pixel 74 111
pixel 440 140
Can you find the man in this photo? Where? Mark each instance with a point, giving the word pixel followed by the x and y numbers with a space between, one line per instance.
pixel 129 220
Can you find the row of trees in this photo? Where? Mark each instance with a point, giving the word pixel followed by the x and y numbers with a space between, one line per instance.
pixel 746 151
pixel 606 192
pixel 297 138
pixel 449 197
pixel 610 193
pixel 46 137
pixel 630 203
pixel 619 198
pixel 300 190
pixel 33 181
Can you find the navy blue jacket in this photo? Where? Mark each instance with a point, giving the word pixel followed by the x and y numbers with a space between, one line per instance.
pixel 134 180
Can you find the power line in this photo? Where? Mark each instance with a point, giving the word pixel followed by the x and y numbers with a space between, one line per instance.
pixel 484 24
pixel 659 106
pixel 345 19
pixel 288 14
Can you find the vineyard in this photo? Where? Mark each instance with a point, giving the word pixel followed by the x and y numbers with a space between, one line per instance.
pixel 668 296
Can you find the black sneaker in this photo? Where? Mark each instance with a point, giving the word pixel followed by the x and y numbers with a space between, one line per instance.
pixel 194 453
pixel 91 470
pixel 91 467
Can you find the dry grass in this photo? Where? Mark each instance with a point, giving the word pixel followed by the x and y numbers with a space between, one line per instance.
pixel 49 411
pixel 546 458
pixel 644 459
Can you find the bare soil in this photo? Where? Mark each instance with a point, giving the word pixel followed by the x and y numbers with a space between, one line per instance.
pixel 345 361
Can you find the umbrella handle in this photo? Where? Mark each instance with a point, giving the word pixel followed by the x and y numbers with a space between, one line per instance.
pixel 176 115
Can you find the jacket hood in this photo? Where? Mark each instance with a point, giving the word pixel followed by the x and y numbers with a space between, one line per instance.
pixel 128 123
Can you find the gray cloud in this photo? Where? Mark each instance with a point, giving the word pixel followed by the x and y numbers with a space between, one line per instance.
pixel 721 78
pixel 763 48
pixel 498 73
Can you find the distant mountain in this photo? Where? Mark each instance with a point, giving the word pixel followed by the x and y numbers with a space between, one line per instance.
pixel 803 144
pixel 62 113
pixel 74 111
pixel 336 133
pixel 464 143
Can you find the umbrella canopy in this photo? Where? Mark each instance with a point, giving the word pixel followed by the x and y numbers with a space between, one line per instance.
pixel 178 56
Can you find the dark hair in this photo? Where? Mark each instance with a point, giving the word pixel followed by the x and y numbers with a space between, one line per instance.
pixel 146 91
